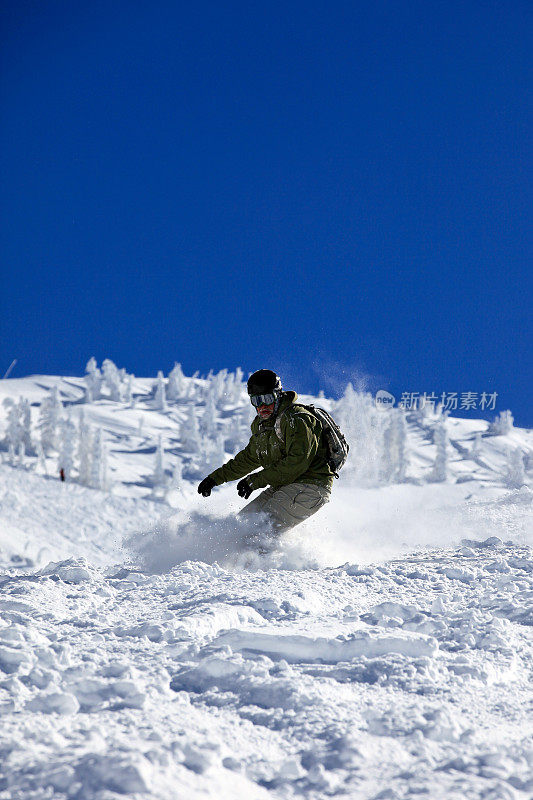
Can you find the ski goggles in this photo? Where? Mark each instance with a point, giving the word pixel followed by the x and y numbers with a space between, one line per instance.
pixel 262 399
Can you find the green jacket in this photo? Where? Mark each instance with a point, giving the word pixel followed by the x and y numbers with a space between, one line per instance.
pixel 300 458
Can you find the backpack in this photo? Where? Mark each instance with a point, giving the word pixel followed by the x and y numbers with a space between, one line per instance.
pixel 337 447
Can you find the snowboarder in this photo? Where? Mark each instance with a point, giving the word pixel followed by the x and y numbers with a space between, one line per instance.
pixel 288 445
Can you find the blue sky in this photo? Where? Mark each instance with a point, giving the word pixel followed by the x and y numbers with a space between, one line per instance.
pixel 333 190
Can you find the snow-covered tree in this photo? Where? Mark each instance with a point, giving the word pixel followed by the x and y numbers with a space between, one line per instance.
pixel 229 389
pixel 516 475
pixel 14 430
pixel 211 455
pixel 93 380
pixel 98 461
pixel 440 468
pixel 41 459
pixel 159 479
pixel 25 422
pixel 176 383
pixel 193 391
pixel 189 431
pixel 67 445
pixel 160 400
pixel 218 386
pixel 220 450
pixel 234 387
pixel 18 427
pixel 401 444
pixel 387 459
pixel 128 393
pixel 237 428
pixel 51 413
pixel 420 411
pixel 208 422
pixel 85 446
pixel 176 481
pixel 395 459
pixel 502 424
pixel 112 379
pixel 234 439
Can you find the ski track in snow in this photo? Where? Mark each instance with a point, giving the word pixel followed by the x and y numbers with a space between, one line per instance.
pixel 144 654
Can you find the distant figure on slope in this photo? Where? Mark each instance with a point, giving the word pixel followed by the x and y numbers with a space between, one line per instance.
pixel 62 474
pixel 287 442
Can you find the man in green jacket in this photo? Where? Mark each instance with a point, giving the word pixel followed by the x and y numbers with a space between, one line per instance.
pixel 288 447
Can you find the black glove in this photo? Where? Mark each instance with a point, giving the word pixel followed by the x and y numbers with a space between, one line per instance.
pixel 205 486
pixel 244 489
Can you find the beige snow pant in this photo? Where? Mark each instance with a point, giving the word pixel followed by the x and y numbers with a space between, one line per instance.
pixel 289 505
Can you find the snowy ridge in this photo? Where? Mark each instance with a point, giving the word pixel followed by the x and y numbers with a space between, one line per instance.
pixel 382 652
pixel 156 433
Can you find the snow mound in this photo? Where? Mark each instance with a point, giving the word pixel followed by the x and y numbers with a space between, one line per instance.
pixel 73 570
pixel 523 495
pixel 297 649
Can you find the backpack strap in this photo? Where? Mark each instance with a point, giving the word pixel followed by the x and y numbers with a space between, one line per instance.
pixel 277 426
pixel 294 408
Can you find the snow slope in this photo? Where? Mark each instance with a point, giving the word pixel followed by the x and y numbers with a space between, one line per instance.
pixel 383 651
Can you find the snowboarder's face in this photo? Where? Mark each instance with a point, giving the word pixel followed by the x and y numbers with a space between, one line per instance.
pixel 266 411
